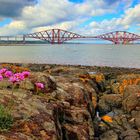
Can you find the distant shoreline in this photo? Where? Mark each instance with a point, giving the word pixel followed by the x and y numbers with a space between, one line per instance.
pixel 65 43
pixel 102 69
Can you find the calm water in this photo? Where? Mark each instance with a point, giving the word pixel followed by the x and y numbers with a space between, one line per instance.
pixel 83 54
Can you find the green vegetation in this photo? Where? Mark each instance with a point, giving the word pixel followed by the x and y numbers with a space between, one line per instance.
pixel 6 119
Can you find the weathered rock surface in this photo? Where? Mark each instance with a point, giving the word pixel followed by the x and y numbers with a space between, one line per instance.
pixel 77 103
pixel 109 101
pixel 131 98
pixel 109 135
pixel 64 111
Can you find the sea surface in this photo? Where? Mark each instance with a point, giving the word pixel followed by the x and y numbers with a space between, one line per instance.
pixel 74 54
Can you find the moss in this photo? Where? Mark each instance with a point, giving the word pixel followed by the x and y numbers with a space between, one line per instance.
pixel 6 119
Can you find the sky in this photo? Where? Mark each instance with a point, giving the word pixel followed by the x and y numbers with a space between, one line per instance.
pixel 85 17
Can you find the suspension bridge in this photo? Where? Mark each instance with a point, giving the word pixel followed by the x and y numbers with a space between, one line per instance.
pixel 59 36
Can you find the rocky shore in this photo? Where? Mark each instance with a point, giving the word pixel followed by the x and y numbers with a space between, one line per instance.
pixel 77 103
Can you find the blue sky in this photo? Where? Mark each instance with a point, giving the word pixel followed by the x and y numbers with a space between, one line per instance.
pixel 77 1
pixel 81 16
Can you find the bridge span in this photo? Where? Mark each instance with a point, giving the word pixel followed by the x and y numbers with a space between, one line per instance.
pixel 59 36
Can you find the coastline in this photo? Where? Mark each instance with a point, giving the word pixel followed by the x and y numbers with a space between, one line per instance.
pixel 77 102
pixel 103 69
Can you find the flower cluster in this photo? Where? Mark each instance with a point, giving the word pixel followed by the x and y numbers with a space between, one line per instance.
pixel 17 77
pixel 8 74
pixel 3 70
pixel 13 77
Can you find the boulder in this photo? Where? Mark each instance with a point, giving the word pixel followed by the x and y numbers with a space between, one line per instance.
pixel 78 132
pixel 131 98
pixel 47 80
pixel 130 134
pixel 27 85
pixel 131 89
pixel 136 117
pixel 76 115
pixel 109 135
pixel 115 88
pixel 109 101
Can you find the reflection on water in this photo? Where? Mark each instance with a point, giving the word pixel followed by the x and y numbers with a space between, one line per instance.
pixel 81 54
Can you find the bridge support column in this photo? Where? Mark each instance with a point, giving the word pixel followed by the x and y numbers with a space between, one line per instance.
pixel 24 39
pixel 8 38
pixel 53 35
pixel 58 36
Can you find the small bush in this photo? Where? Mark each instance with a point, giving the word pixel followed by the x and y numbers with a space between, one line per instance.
pixel 6 119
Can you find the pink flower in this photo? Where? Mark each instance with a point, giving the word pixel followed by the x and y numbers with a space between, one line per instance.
pixel 3 70
pixel 19 76
pixel 16 78
pixel 1 77
pixel 13 79
pixel 39 85
pixel 8 74
pixel 26 74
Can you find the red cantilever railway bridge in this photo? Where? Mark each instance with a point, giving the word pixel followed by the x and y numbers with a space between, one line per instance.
pixel 59 36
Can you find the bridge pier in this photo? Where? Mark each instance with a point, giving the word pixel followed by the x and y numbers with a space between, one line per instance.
pixel 24 39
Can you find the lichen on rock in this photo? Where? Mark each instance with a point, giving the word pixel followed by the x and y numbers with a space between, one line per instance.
pixel 74 103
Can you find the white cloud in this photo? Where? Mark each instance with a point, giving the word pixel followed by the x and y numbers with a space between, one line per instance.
pixel 13 28
pixel 131 17
pixel 67 15
pixel 68 25
pixel 57 12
